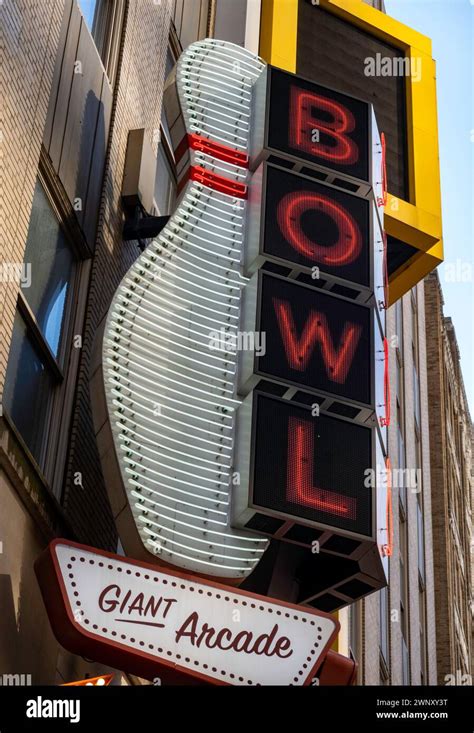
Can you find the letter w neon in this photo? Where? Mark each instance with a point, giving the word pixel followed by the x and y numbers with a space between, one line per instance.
pixel 337 359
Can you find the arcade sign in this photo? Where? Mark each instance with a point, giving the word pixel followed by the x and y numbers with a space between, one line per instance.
pixel 174 626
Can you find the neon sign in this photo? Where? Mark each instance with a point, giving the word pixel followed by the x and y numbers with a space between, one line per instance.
pixel 312 117
pixel 308 469
pixel 314 339
pixel 300 487
pixel 318 124
pixel 169 625
pixel 343 251
pixel 170 398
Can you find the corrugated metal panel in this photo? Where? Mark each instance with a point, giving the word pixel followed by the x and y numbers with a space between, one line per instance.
pixel 333 53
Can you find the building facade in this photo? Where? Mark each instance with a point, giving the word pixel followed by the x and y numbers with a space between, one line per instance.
pixel 392 633
pixel 78 78
pixel 103 67
pixel 451 488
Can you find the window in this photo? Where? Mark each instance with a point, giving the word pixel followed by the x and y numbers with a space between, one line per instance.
pixel 165 182
pixel 402 473
pixel 416 394
pixel 165 179
pixel 414 325
pixel 421 544
pixel 355 620
pixel 419 470
pixel 400 388
pixel 384 625
pixel 95 14
pixel 170 62
pixel 41 326
pixel 90 10
pixel 400 403
pixel 423 650
pixel 405 664
pixel 404 602
pixel 399 325
pixel 419 509
pixel 104 20
pixel 28 388
pixel 51 260
pixel 415 357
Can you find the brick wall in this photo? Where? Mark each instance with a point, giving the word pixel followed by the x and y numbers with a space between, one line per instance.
pixel 434 304
pixel 137 104
pixel 449 458
pixel 371 632
pixel 31 33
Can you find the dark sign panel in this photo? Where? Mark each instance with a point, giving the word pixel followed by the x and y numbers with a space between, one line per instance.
pixel 337 53
pixel 318 124
pixel 311 467
pixel 311 224
pixel 315 340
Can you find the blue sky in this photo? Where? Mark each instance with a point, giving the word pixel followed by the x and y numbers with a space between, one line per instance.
pixel 450 25
pixel 88 9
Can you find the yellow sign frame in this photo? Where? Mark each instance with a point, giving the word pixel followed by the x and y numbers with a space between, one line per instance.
pixel 418 220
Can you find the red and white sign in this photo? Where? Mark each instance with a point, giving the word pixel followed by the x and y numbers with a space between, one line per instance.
pixel 165 624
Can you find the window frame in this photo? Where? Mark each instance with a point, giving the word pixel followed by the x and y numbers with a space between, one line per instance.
pixel 404 586
pixel 165 142
pixel 423 636
pixel 170 161
pixel 168 152
pixel 110 36
pixel 384 621
pixel 51 462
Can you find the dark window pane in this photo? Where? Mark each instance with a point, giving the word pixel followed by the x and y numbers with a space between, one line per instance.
pixel 97 15
pixel 165 184
pixel 89 8
pixel 384 618
pixel 416 397
pixel 170 62
pixel 28 389
pixel 51 260
pixel 405 664
pixel 421 543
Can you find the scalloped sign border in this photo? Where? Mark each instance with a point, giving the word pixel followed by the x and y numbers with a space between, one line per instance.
pixel 169 625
